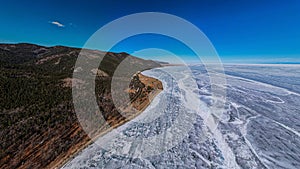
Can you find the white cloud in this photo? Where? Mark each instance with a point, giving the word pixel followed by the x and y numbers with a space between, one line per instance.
pixel 57 24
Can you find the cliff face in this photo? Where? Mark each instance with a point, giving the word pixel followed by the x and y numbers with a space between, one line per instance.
pixel 38 124
pixel 142 90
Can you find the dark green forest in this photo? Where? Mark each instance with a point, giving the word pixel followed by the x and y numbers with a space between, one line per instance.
pixel 37 119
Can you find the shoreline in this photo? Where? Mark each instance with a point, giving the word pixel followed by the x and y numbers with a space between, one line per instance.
pixel 140 105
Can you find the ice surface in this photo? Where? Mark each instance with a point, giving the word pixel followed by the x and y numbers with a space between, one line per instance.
pixel 259 126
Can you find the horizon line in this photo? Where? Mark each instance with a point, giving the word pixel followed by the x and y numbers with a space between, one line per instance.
pixel 226 61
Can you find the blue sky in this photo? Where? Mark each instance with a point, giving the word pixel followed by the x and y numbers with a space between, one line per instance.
pixel 244 31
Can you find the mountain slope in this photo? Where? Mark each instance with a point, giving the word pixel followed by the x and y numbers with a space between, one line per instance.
pixel 38 124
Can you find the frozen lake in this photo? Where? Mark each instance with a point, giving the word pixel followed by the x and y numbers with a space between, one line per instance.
pixel 258 125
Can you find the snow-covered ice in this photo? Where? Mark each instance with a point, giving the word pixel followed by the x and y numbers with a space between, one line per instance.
pixel 258 128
